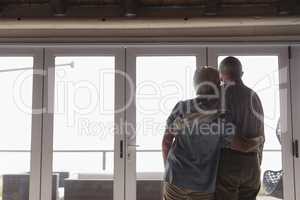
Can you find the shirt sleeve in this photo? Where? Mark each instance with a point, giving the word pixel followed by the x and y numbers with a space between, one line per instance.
pixel 175 114
pixel 227 117
pixel 170 132
pixel 260 125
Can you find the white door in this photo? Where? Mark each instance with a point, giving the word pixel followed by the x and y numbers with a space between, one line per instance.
pixel 295 73
pixel 98 114
pixel 160 77
pixel 83 125
pixel 21 78
pixel 267 72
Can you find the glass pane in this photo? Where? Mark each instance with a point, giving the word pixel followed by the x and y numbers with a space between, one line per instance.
pixel 262 75
pixel 15 135
pixel 84 125
pixel 161 81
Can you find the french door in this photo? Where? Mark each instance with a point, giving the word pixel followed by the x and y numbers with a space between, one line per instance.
pixel 21 116
pixel 94 116
pixel 267 72
pixel 162 76
pixel 295 73
pixel 21 78
pixel 83 126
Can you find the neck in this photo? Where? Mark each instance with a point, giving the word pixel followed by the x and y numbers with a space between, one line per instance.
pixel 237 81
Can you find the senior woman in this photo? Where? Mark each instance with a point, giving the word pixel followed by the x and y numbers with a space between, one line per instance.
pixel 193 140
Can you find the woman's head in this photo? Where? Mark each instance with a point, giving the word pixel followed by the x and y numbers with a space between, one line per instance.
pixel 206 81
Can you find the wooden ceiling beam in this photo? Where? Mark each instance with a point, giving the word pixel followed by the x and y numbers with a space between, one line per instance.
pixel 130 7
pixel 2 6
pixel 212 7
pixel 286 7
pixel 59 7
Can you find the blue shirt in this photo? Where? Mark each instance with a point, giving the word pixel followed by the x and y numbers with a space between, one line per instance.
pixel 192 161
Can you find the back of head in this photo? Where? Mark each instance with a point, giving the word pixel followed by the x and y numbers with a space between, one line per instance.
pixel 231 67
pixel 206 81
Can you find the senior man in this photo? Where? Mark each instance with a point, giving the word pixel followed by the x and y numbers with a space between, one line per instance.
pixel 239 168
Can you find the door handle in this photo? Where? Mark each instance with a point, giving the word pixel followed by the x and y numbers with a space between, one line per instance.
pixel 296 149
pixel 121 149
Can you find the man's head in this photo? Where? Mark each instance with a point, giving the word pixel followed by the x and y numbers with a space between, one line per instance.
pixel 206 81
pixel 231 69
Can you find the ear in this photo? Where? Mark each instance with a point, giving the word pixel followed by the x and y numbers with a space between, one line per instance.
pixel 242 74
pixel 224 77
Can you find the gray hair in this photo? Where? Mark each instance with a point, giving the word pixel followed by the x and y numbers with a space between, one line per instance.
pixel 232 67
pixel 206 79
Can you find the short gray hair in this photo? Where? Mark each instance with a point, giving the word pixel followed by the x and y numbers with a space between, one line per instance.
pixel 205 78
pixel 232 67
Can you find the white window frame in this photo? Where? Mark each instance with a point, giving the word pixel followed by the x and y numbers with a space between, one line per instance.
pixel 295 82
pixel 285 98
pixel 125 169
pixel 47 161
pixel 37 104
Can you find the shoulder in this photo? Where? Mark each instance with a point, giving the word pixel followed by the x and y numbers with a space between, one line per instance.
pixel 254 99
pixel 189 105
pixel 240 89
pixel 184 106
pixel 188 102
pixel 252 94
